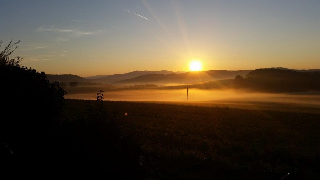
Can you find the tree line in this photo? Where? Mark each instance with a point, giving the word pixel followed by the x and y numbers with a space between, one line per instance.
pixel 279 80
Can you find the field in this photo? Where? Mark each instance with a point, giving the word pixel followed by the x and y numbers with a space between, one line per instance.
pixel 218 140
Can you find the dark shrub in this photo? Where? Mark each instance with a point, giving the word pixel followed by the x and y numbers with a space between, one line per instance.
pixel 30 107
pixel 38 138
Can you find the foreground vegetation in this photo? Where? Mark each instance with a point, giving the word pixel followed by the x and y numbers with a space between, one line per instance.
pixel 36 140
pixel 188 142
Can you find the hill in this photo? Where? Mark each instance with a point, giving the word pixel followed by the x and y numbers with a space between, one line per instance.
pixel 280 80
pixel 184 78
pixel 65 78
pixel 120 77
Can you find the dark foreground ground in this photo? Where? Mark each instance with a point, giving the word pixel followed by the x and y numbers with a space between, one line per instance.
pixel 218 142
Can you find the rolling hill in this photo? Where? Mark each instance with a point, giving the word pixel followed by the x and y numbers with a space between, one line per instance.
pixel 120 77
pixel 280 80
pixel 184 78
pixel 66 78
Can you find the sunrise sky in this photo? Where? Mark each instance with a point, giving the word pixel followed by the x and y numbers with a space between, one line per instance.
pixel 101 37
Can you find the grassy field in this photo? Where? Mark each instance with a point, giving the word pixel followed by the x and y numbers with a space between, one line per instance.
pixel 192 141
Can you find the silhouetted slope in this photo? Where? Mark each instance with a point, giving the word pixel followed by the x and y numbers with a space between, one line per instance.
pixel 66 78
pixel 219 84
pixel 216 84
pixel 119 77
pixel 280 80
pixel 184 78
pixel 309 70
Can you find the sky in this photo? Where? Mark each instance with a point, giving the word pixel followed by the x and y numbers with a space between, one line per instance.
pixel 101 37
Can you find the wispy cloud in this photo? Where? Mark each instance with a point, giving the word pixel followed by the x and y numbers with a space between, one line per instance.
pixel 49 56
pixel 73 32
pixel 62 39
pixel 31 47
pixel 139 15
pixel 38 58
pixel 76 20
pixel 82 21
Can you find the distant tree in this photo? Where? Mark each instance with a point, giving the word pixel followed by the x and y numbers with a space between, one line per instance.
pixel 238 80
pixel 279 80
pixel 73 84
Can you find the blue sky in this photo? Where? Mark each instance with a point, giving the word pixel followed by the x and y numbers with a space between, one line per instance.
pixel 115 36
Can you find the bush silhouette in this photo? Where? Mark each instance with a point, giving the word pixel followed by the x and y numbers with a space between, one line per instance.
pixel 38 137
pixel 27 94
pixel 30 108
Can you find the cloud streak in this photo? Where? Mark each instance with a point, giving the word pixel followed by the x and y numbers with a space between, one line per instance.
pixel 73 32
pixel 38 58
pixel 139 15
pixel 76 20
pixel 31 47
pixel 62 39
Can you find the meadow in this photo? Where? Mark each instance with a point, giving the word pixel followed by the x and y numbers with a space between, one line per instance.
pixel 192 141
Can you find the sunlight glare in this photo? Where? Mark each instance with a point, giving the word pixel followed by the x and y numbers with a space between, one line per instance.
pixel 195 65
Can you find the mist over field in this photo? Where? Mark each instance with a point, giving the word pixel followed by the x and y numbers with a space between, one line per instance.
pixel 204 97
pixel 256 88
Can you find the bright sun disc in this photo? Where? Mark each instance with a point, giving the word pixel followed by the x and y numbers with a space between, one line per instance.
pixel 195 66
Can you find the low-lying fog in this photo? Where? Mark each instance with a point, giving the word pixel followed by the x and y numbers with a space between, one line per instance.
pixel 196 95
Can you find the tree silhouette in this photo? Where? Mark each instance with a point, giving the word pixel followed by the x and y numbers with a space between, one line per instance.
pixel 36 138
pixel 279 80
pixel 30 108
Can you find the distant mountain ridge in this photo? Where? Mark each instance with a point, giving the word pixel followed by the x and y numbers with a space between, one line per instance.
pixel 184 78
pixel 134 73
pixel 159 77
pixel 280 80
pixel 120 77
pixel 65 78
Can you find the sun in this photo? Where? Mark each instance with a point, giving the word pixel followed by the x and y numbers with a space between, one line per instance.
pixel 195 65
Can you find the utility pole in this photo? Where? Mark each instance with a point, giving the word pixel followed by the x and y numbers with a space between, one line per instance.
pixel 187 93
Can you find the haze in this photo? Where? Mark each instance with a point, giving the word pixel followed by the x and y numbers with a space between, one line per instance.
pixel 117 36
